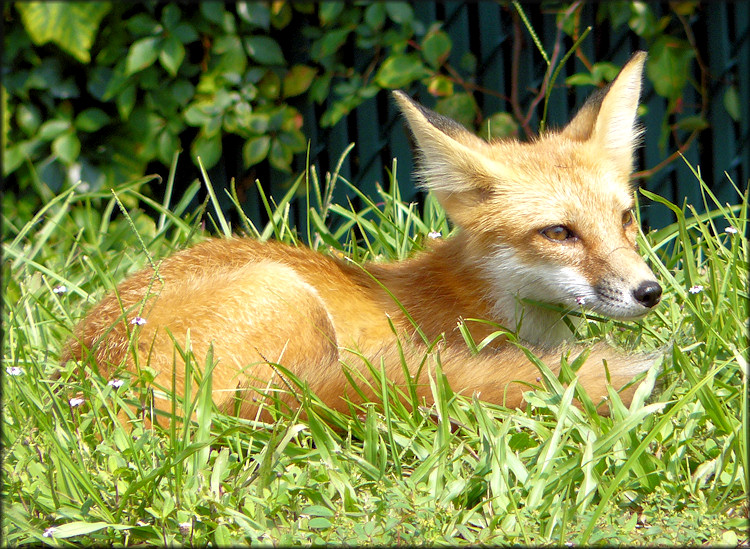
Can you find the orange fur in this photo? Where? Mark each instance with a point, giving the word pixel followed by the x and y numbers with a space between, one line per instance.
pixel 258 305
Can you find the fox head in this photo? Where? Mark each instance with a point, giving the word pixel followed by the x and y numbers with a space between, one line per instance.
pixel 550 220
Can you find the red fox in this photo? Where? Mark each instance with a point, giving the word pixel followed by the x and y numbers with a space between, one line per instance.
pixel 549 221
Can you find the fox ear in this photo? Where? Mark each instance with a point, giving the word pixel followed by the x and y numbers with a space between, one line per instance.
pixel 609 116
pixel 449 157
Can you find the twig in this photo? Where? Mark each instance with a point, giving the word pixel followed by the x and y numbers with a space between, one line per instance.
pixel 553 68
pixel 514 68
pixel 681 148
pixel 671 158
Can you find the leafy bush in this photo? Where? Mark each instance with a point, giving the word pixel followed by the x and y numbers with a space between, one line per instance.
pixel 102 92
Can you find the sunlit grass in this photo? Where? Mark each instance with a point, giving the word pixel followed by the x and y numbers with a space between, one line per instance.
pixel 671 469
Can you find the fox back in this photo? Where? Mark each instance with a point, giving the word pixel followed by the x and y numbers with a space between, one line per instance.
pixel 547 222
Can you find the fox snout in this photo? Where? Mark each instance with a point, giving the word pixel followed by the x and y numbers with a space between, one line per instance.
pixel 648 294
pixel 626 290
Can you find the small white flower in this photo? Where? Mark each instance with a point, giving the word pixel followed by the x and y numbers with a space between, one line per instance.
pixel 61 289
pixel 730 230
pixel 696 289
pixel 49 532
pixel 75 401
pixel 138 321
pixel 434 234
pixel 116 383
pixel 14 371
pixel 185 528
pixel 581 300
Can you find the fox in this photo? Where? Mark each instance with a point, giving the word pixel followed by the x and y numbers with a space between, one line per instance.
pixel 544 222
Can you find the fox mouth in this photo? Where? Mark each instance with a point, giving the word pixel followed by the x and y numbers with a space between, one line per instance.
pixel 621 304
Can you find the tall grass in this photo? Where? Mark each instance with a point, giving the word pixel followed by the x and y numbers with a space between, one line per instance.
pixel 670 469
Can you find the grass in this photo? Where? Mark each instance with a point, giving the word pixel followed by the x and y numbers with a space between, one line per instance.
pixel 671 469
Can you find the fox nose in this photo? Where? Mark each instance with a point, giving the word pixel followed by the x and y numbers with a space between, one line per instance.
pixel 648 293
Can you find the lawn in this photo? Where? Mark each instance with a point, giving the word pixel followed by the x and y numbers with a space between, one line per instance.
pixel 671 469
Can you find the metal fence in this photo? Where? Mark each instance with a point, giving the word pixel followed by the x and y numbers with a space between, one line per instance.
pixel 722 35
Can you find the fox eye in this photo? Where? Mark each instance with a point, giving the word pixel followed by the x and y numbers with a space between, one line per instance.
pixel 627 218
pixel 558 233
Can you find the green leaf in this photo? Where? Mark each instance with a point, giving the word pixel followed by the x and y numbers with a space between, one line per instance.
pixel 692 123
pixel 13 157
pixel 580 79
pixel 281 14
pixel 142 54
pixel 294 139
pixel 81 528
pixel 67 147
pixel 27 117
pixel 335 113
pixel 222 537
pixel 256 14
pixel 461 107
pixel 501 125
pixel 318 511
pixel 53 128
pixel 667 66
pixel 618 12
pixel 604 71
pixel 255 150
pixel 258 122
pixel 280 156
pixel 125 101
pixel 329 43
pixel 400 12
pixel 264 50
pixel 113 81
pixel 142 24
pixel 375 15
pixel 440 85
pixel 436 47
pixel 270 85
pixel 642 20
pixel 398 71
pixel 233 60
pixel 329 11
pixel 70 25
pixel 185 33
pixel 172 54
pixel 213 11
pixel 170 16
pixel 298 80
pixel 468 62
pixel 600 72
pixel 168 143
pixel 199 114
pixel 732 103
pixel 91 120
pixel 182 91
pixel 567 23
pixel 729 539
pixel 320 88
pixel 207 148
pixel 319 523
